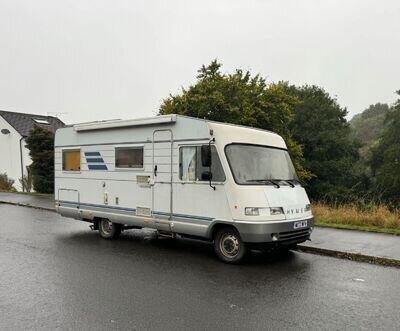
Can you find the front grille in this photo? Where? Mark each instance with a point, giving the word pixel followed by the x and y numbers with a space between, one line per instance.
pixel 297 234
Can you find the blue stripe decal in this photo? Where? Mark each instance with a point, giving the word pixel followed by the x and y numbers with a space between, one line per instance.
pixel 184 216
pixel 95 157
pixel 97 167
pixel 93 205
pixel 134 210
pixel 95 160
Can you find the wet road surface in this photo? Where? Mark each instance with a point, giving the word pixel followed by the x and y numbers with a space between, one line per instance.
pixel 350 241
pixel 57 274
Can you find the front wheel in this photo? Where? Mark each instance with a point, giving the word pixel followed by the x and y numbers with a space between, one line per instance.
pixel 108 229
pixel 228 246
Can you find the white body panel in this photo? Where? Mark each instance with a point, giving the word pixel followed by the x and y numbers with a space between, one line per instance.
pixel 116 194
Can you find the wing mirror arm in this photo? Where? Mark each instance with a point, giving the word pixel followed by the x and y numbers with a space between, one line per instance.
pixel 210 178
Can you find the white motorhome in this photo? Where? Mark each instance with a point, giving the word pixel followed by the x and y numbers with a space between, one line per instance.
pixel 235 186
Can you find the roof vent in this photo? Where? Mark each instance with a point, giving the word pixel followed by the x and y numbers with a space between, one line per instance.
pixel 39 121
pixel 5 131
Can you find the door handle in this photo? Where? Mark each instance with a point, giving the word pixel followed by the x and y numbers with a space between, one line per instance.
pixel 155 170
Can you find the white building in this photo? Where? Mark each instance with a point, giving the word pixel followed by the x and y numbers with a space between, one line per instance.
pixel 14 129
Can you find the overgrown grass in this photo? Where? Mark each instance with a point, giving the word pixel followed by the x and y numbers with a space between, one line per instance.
pixel 369 217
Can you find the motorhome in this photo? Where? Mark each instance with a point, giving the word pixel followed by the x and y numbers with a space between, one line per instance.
pixel 234 186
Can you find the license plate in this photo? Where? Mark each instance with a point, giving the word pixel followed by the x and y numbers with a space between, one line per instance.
pixel 299 225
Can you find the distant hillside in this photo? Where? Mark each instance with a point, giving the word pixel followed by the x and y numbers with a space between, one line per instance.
pixel 368 126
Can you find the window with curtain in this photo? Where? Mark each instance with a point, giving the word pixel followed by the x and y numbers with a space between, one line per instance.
pixel 191 168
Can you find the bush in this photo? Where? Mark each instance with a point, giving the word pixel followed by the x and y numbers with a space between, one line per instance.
pixel 6 184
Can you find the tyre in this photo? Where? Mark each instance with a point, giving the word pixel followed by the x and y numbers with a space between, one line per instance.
pixel 108 229
pixel 228 246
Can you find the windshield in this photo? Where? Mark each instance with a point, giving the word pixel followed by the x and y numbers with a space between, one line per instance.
pixel 253 164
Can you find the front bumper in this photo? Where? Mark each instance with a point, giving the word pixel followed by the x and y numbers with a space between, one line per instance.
pixel 284 232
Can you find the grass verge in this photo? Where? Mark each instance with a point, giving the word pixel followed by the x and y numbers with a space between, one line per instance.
pixel 372 218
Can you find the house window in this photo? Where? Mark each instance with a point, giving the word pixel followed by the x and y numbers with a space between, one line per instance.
pixel 71 160
pixel 191 168
pixel 129 157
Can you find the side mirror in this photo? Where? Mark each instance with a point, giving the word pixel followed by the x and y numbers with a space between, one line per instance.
pixel 206 156
pixel 206 175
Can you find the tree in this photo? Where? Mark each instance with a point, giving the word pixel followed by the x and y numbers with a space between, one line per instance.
pixel 320 126
pixel 385 161
pixel 368 127
pixel 239 98
pixel 41 150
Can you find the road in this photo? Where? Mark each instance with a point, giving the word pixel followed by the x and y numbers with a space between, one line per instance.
pixel 57 274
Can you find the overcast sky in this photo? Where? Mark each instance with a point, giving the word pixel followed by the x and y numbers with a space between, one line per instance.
pixel 102 59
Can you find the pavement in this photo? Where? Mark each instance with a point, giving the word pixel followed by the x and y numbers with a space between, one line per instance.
pixel 379 248
pixel 45 202
pixel 57 274
pixel 348 244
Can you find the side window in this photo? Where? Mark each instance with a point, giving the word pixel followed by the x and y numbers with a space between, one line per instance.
pixel 187 163
pixel 71 160
pixel 129 157
pixel 191 169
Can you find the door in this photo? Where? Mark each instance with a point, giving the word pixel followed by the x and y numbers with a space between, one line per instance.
pixel 162 178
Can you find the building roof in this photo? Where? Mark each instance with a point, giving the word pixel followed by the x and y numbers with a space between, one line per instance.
pixel 24 123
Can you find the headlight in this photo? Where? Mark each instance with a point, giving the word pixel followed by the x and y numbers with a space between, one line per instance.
pixel 308 207
pixel 252 211
pixel 257 211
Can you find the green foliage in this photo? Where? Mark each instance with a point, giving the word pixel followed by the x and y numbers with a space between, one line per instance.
pixel 6 184
pixel 41 150
pixel 368 127
pixel 320 126
pixel 366 130
pixel 385 160
pixel 338 161
pixel 239 98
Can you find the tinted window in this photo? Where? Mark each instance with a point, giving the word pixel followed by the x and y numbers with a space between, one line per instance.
pixel 131 157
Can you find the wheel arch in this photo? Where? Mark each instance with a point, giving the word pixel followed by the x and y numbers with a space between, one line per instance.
pixel 216 225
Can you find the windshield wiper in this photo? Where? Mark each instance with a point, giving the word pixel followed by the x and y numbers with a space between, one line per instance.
pixel 289 181
pixel 264 181
pixel 295 181
pixel 275 183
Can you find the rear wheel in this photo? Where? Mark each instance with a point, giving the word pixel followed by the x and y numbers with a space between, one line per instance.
pixel 228 246
pixel 108 229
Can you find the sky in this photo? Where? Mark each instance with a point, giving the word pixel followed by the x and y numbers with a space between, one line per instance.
pixel 103 59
